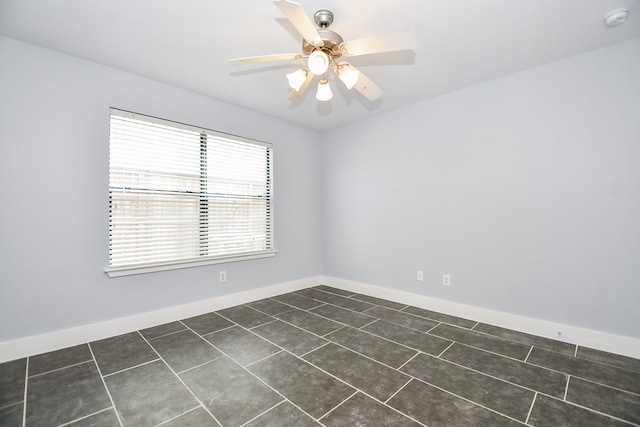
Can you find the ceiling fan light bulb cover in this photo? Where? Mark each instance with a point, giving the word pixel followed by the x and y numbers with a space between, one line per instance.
pixel 324 91
pixel 297 78
pixel 318 62
pixel 349 76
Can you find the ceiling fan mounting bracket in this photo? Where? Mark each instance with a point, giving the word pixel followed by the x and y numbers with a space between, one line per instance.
pixel 323 18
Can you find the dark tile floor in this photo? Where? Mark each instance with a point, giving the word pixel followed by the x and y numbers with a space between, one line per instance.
pixel 322 356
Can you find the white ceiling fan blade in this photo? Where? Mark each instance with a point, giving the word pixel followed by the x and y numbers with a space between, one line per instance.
pixel 295 94
pixel 387 42
pixel 367 87
pixel 298 17
pixel 264 58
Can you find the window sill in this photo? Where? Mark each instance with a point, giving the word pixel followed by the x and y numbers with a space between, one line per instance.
pixel 151 268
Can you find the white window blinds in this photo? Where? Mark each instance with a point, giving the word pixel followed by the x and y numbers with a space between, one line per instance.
pixel 182 196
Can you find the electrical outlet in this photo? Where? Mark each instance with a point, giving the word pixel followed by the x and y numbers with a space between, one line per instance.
pixel 222 277
pixel 446 280
pixel 420 276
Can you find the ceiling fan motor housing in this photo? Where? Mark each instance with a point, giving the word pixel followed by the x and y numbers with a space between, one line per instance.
pixel 331 40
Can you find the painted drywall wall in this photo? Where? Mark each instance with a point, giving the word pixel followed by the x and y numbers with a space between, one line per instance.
pixel 525 189
pixel 54 139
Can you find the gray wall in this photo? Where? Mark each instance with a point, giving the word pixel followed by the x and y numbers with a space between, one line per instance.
pixel 54 140
pixel 525 189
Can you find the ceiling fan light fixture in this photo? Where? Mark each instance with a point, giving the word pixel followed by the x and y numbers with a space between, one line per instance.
pixel 324 91
pixel 318 62
pixel 297 78
pixel 348 75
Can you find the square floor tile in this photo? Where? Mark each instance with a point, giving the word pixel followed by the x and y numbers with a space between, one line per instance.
pixel 314 391
pixel 291 338
pixel 377 348
pixel 122 352
pixel 148 395
pixel 184 350
pixel 437 408
pixel 12 378
pixel 486 391
pixel 363 411
pixel 241 345
pixel 374 378
pixel 229 392
pixel 65 395
pixel 285 414
pixel 550 412
pixel 59 359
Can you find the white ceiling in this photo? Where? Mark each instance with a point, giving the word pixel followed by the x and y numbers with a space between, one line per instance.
pixel 187 44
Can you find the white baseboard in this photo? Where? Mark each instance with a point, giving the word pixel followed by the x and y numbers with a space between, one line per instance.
pixel 11 350
pixel 618 344
pixel 29 346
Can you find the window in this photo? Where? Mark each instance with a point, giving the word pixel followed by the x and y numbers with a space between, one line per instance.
pixel 181 196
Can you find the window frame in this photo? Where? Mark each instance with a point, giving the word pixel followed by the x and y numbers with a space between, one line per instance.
pixel 200 260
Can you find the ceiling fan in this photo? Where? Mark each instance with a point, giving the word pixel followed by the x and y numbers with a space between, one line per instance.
pixel 323 48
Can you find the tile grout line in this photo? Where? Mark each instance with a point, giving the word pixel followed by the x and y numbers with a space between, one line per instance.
pixel 263 412
pixel 178 416
pixel 595 411
pixel 533 402
pixel 60 369
pixel 104 384
pixel 26 386
pixel 166 335
pixel 586 379
pixel 484 374
pixel 409 360
pixel 332 376
pixel 566 388
pixel 68 423
pixel 200 404
pixel 467 400
pixel 357 390
pixel 411 378
pixel 528 354
pixel 148 362
pixel 250 373
pixel 445 350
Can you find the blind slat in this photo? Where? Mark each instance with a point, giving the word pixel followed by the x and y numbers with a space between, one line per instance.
pixel 177 193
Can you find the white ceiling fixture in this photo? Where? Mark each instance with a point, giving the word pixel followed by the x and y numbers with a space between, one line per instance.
pixel 616 17
pixel 323 48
